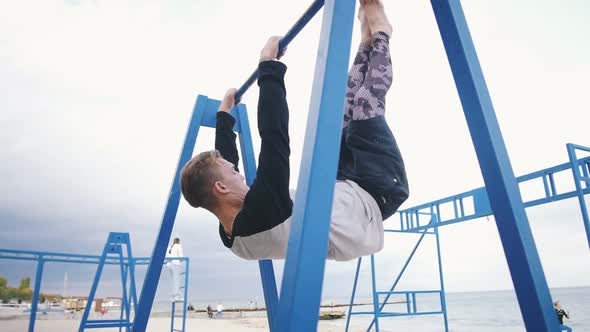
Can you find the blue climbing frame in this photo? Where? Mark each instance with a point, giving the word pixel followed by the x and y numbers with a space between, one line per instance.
pixel 42 257
pixel 428 217
pixel 515 233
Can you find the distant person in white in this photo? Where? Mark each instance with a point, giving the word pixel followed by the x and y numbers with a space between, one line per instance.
pixel 175 266
pixel 219 311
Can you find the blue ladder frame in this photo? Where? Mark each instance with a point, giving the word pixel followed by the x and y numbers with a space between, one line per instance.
pixel 185 296
pixel 467 206
pixel 42 258
pixel 114 246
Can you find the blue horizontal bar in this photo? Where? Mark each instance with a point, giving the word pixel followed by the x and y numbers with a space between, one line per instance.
pixel 526 177
pixel 210 114
pixel 106 321
pixel 395 314
pixel 72 258
pixel 19 258
pixel 287 38
pixel 584 178
pixel 531 203
pixel 579 147
pixel 406 231
pixel 362 313
pixel 107 325
pixel 410 292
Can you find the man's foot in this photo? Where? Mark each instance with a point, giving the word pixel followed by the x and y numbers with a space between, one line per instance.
pixel 366 38
pixel 376 17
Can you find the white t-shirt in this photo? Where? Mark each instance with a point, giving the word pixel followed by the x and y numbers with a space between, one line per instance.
pixel 356 229
pixel 219 308
pixel 175 251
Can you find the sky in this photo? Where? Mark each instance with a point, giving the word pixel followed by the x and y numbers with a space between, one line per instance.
pixel 96 96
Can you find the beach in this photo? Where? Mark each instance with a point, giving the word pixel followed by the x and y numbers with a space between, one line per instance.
pixel 490 311
pixel 158 324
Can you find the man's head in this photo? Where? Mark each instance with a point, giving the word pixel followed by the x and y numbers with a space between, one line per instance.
pixel 211 182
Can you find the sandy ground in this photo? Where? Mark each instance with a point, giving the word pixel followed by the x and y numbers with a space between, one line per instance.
pixel 160 324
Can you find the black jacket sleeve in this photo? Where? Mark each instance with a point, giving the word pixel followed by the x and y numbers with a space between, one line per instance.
pixel 268 202
pixel 225 138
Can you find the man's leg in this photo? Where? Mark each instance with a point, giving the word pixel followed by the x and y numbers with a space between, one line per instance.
pixel 358 70
pixel 356 77
pixel 376 163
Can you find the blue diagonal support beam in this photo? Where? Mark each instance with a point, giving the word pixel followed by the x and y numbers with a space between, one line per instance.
pixel 267 274
pixel 308 243
pixel 150 284
pixel 519 246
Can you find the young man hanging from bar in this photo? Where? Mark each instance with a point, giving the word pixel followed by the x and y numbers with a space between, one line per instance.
pixel 371 182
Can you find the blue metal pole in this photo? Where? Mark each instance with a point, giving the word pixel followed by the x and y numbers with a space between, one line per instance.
pixel 376 304
pixel 173 314
pixel 35 299
pixel 86 313
pixel 125 304
pixel 124 296
pixel 443 301
pixel 519 246
pixel 131 271
pixel 284 42
pixel 186 276
pixel 269 285
pixel 150 284
pixel 399 276
pixel 308 243
pixel 575 172
pixel 356 278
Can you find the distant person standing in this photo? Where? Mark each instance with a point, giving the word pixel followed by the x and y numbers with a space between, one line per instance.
pixel 219 311
pixel 175 266
pixel 560 313
pixel 209 311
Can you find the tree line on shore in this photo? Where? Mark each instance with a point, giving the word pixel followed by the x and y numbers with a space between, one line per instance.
pixel 23 292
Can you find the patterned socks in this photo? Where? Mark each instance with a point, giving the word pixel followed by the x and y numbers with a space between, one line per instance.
pixel 369 100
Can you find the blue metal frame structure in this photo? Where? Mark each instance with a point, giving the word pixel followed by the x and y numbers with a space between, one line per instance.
pixel 42 257
pixel 114 246
pixel 331 72
pixel 428 217
pixel 308 242
pixel 184 306
pixel 304 266
pixel 204 114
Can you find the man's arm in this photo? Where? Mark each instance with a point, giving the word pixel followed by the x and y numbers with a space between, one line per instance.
pixel 225 138
pixel 268 202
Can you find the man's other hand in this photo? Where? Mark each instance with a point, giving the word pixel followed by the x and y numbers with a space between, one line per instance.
pixel 228 101
pixel 271 49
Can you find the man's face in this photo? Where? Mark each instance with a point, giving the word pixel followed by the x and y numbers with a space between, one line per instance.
pixel 232 183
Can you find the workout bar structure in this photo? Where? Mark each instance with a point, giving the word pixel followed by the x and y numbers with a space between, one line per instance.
pixel 307 250
pixel 466 206
pixel 42 257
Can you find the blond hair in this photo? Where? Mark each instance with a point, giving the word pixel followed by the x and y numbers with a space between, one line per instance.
pixel 197 178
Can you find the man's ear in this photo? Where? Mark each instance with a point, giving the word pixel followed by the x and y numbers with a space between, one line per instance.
pixel 219 187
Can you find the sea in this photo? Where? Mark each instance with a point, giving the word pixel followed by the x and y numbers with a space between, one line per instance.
pixel 467 312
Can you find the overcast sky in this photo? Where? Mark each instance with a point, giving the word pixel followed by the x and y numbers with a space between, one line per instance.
pixel 95 98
